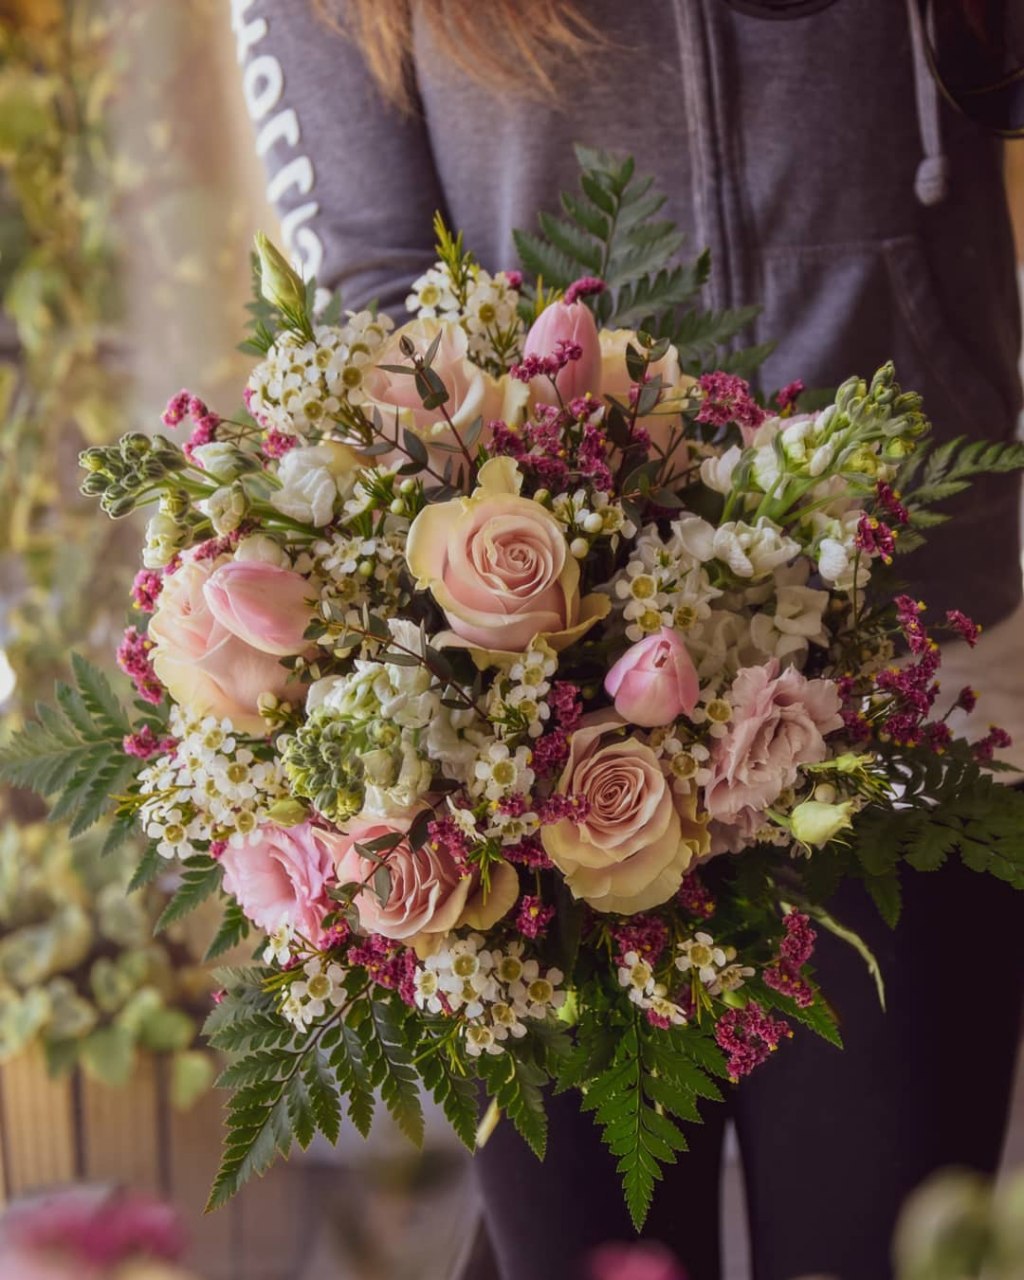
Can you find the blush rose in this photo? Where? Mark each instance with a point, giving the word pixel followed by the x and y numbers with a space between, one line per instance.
pixel 429 894
pixel 636 840
pixel 499 566
pixel 204 666
pixel 472 392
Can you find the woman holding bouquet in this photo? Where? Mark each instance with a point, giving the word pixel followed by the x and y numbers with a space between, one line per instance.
pixel 866 218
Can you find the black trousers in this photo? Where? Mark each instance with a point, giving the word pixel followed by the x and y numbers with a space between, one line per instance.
pixel 833 1140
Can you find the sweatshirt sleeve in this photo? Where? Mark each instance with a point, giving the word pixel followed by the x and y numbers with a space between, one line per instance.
pixel 352 178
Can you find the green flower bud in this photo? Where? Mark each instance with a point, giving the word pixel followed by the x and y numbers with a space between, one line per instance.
pixel 118 506
pixel 94 484
pixel 815 823
pixel 288 813
pixel 175 503
pixel 93 459
pixel 280 284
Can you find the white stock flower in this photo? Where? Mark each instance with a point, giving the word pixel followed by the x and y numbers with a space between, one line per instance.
pixel 312 479
pixel 750 551
pixel 716 472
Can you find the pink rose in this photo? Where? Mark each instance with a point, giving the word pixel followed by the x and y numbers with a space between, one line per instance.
pixel 429 893
pixel 281 877
pixel 472 392
pixel 499 566
pixel 263 604
pixel 654 681
pixel 644 1261
pixel 204 666
pixel 779 723
pixel 636 839
pixel 566 322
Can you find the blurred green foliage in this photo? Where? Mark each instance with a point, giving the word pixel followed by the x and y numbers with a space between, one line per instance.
pixel 60 381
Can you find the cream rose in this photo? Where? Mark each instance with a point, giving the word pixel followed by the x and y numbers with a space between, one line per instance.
pixel 203 666
pixel 429 894
pixel 631 849
pixel 472 392
pixel 499 566
pixel 616 382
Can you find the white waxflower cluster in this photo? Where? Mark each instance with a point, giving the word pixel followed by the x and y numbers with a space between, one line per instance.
pixel 361 572
pixel 714 966
pixel 207 788
pixel 637 976
pixel 586 516
pixel 494 992
pixel 489 313
pixel 309 999
pixel 663 585
pixel 686 763
pixel 299 385
pixel 523 689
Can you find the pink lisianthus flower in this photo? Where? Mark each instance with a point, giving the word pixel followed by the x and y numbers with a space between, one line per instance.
pixel 654 681
pixel 779 722
pixel 281 876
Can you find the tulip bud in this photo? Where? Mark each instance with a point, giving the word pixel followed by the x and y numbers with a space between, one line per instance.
pixel 654 681
pixel 266 606
pixel 280 284
pixel 566 322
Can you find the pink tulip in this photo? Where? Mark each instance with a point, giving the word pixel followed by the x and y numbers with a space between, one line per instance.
pixel 566 322
pixel 655 681
pixel 264 605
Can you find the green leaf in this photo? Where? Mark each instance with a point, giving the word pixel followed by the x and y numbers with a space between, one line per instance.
pixel 74 750
pixel 201 876
pixel 516 1087
pixel 233 929
pixel 347 1060
pixel 452 1089
pixel 381 1026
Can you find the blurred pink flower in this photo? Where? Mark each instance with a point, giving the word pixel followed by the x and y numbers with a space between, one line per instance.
pixel 82 1231
pixel 644 1261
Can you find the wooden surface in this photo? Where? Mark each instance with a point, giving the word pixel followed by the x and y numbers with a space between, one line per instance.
pixel 63 1131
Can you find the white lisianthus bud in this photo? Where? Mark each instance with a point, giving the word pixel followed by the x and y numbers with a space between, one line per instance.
pixel 821 458
pixel 164 539
pixel 220 459
pixel 280 284
pixel 815 823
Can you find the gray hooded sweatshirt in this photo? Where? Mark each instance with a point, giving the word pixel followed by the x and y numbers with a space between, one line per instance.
pixel 813 157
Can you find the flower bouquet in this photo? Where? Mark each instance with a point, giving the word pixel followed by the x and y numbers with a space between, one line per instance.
pixel 528 690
